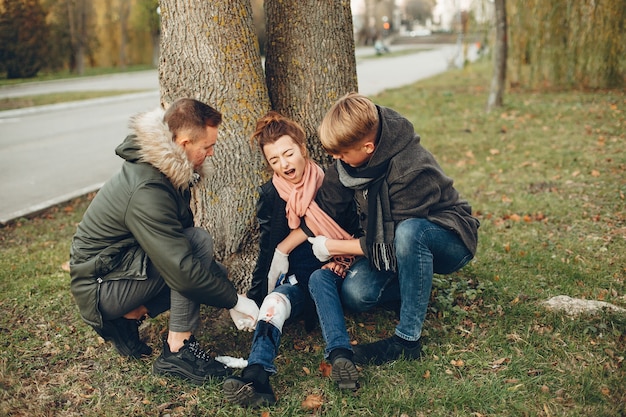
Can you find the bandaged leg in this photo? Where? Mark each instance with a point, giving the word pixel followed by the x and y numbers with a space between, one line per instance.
pixel 276 308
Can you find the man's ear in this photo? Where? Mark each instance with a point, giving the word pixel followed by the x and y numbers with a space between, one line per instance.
pixel 369 147
pixel 182 140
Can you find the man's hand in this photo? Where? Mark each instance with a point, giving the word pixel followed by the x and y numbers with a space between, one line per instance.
pixel 279 265
pixel 319 247
pixel 245 313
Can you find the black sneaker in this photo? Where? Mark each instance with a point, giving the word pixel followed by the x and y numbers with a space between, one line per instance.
pixel 190 363
pixel 386 350
pixel 124 334
pixel 344 372
pixel 252 389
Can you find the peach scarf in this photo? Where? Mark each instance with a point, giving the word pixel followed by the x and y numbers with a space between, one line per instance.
pixel 300 200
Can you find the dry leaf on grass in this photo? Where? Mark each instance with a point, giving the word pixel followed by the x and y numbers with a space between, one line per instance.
pixel 313 402
pixel 325 369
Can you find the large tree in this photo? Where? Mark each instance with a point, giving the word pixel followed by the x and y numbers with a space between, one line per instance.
pixel 209 51
pixel 310 60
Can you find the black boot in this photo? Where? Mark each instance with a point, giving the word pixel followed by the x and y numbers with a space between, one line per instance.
pixel 344 372
pixel 252 389
pixel 387 350
pixel 124 334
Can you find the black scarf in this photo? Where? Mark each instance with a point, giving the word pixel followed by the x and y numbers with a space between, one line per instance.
pixel 380 231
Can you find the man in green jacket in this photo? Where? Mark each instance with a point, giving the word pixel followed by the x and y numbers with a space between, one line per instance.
pixel 136 252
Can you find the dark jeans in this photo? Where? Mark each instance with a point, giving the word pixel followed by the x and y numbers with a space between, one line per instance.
pixel 122 296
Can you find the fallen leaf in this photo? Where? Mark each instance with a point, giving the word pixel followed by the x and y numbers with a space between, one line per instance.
pixel 65 266
pixel 306 370
pixel 313 402
pixel 325 368
pixel 458 363
pixel 500 361
pixel 265 414
pixel 426 374
pixel 595 173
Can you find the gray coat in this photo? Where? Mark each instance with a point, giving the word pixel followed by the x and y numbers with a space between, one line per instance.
pixel 418 187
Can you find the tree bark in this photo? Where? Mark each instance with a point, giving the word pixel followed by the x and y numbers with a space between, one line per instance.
pixel 310 61
pixel 500 57
pixel 209 52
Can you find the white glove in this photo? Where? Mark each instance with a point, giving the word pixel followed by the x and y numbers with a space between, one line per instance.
pixel 319 247
pixel 245 313
pixel 279 265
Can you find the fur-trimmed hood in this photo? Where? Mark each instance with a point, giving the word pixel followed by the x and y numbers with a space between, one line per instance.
pixel 151 142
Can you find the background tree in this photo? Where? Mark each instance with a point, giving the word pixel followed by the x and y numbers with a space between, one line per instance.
pixel 148 19
pixel 419 10
pixel 565 44
pixel 209 51
pixel 23 37
pixel 499 59
pixel 73 31
pixel 123 8
pixel 310 61
pixel 80 23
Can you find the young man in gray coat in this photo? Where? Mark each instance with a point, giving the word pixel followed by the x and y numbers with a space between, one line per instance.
pixel 136 252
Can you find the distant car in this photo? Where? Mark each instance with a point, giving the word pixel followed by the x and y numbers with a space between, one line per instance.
pixel 420 32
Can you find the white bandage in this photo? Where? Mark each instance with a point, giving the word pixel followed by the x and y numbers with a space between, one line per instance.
pixel 276 308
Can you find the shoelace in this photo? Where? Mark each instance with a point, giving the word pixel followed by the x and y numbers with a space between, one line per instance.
pixel 194 347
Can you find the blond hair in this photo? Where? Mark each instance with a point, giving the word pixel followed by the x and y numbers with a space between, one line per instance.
pixel 352 119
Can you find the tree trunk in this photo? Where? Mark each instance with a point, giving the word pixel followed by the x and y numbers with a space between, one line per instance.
pixel 124 12
pixel 500 55
pixel 209 52
pixel 310 61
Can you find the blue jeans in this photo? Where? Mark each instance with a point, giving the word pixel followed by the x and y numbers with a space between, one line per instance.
pixel 422 249
pixel 266 340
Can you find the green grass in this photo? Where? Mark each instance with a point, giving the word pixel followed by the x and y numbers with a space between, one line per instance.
pixel 546 175
pixel 65 74
pixel 53 98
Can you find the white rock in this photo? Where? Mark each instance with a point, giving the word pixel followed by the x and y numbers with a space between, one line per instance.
pixel 576 306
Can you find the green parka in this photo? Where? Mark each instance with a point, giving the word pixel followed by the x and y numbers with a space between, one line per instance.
pixel 140 214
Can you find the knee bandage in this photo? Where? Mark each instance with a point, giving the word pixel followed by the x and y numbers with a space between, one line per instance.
pixel 276 308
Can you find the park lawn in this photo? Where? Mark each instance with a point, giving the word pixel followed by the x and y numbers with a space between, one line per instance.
pixel 55 98
pixel 546 176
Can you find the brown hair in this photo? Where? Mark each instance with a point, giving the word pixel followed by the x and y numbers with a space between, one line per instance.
pixel 352 119
pixel 273 126
pixel 190 116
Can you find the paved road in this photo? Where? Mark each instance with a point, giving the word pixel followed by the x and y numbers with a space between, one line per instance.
pixel 51 154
